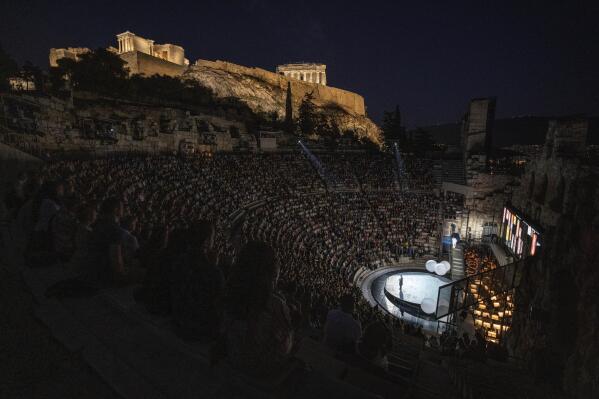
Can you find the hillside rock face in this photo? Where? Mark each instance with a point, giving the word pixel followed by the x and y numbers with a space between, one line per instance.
pixel 557 303
pixel 265 91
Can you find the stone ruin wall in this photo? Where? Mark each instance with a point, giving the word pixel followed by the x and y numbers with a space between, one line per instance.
pixel 41 124
pixel 323 95
pixel 148 65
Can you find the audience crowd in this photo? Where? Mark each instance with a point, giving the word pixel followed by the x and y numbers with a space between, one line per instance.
pixel 260 244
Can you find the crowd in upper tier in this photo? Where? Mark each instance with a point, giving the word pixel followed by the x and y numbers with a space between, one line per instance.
pixel 184 228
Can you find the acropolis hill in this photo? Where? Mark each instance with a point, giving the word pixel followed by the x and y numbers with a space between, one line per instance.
pixel 265 91
pixel 262 90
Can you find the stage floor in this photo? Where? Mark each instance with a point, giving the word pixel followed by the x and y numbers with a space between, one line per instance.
pixel 417 284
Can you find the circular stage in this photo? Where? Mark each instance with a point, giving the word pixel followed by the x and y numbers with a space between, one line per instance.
pixel 382 288
pixel 416 286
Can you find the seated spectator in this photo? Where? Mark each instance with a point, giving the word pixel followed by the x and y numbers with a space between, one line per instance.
pixel 159 259
pixel 64 226
pixel 40 250
pixel 342 331
pixel 85 219
pixel 129 240
pixel 105 265
pixel 49 204
pixel 259 336
pixel 15 196
pixel 198 285
pixel 375 344
pixel 432 342
pixel 419 333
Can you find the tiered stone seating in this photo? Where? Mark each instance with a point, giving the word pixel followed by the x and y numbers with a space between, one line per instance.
pixel 277 198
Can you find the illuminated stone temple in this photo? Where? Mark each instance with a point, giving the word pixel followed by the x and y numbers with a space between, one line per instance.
pixel 307 72
pixel 141 55
pixel 130 42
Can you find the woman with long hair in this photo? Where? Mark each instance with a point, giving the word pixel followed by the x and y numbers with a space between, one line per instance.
pixel 257 321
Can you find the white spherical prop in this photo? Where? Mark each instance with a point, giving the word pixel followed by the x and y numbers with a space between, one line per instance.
pixel 440 269
pixel 428 305
pixel 447 266
pixel 430 265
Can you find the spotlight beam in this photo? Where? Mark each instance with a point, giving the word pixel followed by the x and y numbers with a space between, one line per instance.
pixel 328 178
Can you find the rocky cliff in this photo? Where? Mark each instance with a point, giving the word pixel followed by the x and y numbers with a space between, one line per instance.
pixel 265 91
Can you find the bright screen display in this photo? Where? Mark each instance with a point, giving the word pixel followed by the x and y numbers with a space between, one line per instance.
pixel 523 239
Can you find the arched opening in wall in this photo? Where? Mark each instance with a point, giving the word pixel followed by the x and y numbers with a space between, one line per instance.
pixel 531 185
pixel 557 201
pixel 542 190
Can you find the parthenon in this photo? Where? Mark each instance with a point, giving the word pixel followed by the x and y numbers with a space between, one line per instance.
pixel 307 72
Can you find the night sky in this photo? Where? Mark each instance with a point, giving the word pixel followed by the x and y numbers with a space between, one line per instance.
pixel 428 57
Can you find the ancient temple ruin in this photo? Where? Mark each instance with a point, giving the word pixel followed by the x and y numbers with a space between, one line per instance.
pixel 141 55
pixel 307 72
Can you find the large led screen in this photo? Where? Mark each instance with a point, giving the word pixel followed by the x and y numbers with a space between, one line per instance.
pixel 518 235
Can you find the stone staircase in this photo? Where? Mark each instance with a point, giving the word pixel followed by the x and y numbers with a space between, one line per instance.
pixel 457 263
pixel 449 170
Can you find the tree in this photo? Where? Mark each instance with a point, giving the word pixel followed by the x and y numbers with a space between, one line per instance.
pixel 422 141
pixel 392 129
pixel 99 71
pixel 289 124
pixel 307 115
pixel 331 133
pixel 8 68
